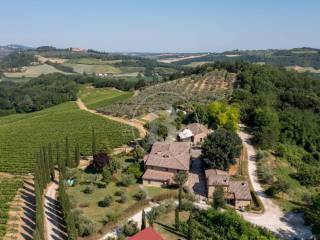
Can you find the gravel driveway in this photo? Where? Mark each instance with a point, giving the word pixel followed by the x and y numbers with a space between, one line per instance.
pixel 287 226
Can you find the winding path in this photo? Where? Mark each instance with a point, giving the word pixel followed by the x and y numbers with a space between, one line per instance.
pixel 132 122
pixel 287 226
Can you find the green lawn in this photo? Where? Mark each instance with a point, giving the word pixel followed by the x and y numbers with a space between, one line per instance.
pixel 90 201
pixel 8 189
pixel 100 97
pixel 22 134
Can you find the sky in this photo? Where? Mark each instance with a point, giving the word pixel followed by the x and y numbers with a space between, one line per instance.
pixel 161 25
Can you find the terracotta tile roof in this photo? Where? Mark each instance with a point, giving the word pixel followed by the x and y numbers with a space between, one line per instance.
pixel 157 175
pixel 216 177
pixel 198 128
pixel 146 234
pixel 173 155
pixel 240 189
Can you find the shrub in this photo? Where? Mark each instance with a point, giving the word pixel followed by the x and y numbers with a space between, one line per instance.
pixel 101 184
pixel 135 170
pixel 278 186
pixel 119 193
pixel 88 190
pixel 130 228
pixel 84 225
pixel 106 175
pixel 186 205
pixel 127 180
pixel 106 202
pixel 123 199
pixel 308 176
pixel 109 218
pixel 141 195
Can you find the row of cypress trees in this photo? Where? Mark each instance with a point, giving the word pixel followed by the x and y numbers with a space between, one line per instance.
pixel 44 173
pixel 69 162
pixel 68 215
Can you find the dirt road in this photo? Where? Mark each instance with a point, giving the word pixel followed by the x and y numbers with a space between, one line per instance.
pixel 132 122
pixel 55 228
pixel 287 226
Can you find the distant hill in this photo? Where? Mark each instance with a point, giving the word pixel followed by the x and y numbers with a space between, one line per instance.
pixel 5 50
pixel 304 57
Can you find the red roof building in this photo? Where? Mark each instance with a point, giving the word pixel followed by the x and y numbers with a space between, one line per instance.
pixel 146 234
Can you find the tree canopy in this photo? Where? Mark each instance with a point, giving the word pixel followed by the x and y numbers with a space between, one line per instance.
pixel 221 148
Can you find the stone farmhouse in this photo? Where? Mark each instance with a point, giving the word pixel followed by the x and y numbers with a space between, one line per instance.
pixel 164 160
pixel 194 132
pixel 237 193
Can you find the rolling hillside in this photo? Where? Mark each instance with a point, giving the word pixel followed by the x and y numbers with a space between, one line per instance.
pixel 195 88
pixel 22 134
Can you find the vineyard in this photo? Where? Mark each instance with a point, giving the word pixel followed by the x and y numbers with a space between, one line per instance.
pixel 8 189
pixel 22 134
pixel 211 86
pixel 98 97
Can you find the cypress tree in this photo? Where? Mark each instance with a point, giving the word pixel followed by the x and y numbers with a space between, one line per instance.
pixel 191 234
pixel 94 144
pixel 38 188
pixel 43 177
pixel 67 154
pixel 51 164
pixel 143 220
pixel 176 217
pixel 77 154
pixel 61 163
pixel 46 171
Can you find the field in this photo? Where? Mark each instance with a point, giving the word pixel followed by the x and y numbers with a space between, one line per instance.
pixel 92 61
pixel 33 71
pixel 99 97
pixel 22 134
pixel 212 86
pixel 91 68
pixel 196 64
pixel 8 189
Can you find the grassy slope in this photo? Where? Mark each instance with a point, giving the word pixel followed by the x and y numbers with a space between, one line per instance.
pixel 91 68
pixel 33 71
pixel 21 134
pixel 100 97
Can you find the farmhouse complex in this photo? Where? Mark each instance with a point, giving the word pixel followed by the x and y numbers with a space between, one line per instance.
pixel 164 160
pixel 237 193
